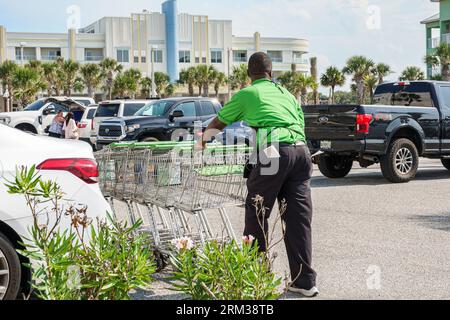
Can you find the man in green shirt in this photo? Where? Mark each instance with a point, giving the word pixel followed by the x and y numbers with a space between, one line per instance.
pixel 283 169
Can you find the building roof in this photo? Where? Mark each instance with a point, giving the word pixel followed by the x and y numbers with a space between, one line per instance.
pixel 434 18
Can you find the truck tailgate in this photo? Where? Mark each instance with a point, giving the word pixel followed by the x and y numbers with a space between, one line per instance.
pixel 331 122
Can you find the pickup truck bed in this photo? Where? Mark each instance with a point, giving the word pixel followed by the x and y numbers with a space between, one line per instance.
pixel 406 121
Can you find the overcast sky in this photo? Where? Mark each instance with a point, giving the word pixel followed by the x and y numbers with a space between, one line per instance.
pixel 385 30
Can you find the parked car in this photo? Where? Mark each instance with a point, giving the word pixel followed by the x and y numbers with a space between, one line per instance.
pixel 86 123
pixel 38 116
pixel 407 120
pixel 236 133
pixel 110 110
pixel 71 163
pixel 158 121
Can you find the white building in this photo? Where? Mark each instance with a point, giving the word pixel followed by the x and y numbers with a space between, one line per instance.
pixel 130 40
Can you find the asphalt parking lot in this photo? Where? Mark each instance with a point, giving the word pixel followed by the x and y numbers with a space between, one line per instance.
pixel 373 239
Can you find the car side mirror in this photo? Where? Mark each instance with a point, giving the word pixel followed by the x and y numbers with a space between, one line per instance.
pixel 176 114
pixel 49 110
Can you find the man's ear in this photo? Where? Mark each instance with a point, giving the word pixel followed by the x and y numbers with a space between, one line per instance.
pixel 271 74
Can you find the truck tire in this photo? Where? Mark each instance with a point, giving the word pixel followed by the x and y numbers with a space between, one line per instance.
pixel 335 166
pixel 446 163
pixel 28 128
pixel 401 162
pixel 10 270
pixel 149 139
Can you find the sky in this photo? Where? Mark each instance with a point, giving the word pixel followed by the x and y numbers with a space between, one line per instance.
pixel 387 31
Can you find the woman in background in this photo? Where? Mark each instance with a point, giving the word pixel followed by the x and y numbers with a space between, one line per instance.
pixel 70 128
pixel 56 127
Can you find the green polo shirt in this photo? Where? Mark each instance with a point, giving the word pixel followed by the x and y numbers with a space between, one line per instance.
pixel 270 108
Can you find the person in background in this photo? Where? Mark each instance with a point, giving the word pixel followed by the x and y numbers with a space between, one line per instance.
pixel 70 127
pixel 56 127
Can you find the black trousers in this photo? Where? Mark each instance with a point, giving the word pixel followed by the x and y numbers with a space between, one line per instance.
pixel 291 182
pixel 54 135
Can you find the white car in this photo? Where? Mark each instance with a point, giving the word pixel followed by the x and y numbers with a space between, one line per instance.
pixel 108 110
pixel 86 124
pixel 38 116
pixel 68 162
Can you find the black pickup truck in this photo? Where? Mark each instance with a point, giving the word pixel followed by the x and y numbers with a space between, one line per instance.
pixel 406 121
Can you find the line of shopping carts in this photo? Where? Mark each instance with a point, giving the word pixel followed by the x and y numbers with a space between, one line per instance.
pixel 171 185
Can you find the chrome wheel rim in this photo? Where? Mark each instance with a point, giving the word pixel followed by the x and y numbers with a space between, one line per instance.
pixel 4 275
pixel 404 161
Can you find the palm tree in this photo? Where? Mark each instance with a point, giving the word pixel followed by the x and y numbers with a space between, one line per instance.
pixel 110 68
pixel 169 91
pixel 91 77
pixel 220 80
pixel 298 84
pixel 359 67
pixel 161 82
pixel 146 86
pixel 239 77
pixel 188 77
pixel 412 74
pixel 7 70
pixel 49 75
pixel 333 77
pixel 202 79
pixel 27 83
pixel 440 57
pixel 382 70
pixel 370 82
pixel 68 75
pixel 120 86
pixel 134 78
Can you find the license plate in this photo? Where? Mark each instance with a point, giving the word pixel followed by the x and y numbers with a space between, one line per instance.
pixel 325 144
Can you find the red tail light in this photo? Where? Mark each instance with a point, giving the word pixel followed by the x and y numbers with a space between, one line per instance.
pixel 82 125
pixel 363 123
pixel 92 124
pixel 85 169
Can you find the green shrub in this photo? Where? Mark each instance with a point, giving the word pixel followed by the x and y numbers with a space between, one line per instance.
pixel 91 260
pixel 223 271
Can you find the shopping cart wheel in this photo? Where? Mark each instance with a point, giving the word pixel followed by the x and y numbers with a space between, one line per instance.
pixel 161 260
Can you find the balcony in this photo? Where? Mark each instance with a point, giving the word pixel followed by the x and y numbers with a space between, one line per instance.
pixel 26 57
pixel 93 55
pixel 50 58
pixel 91 58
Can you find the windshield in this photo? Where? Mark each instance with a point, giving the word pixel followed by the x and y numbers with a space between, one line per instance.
pixel 35 106
pixel 410 95
pixel 155 109
pixel 108 110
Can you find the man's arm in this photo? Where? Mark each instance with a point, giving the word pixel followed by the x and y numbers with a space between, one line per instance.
pixel 215 127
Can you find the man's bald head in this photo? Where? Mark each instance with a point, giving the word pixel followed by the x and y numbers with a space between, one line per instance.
pixel 259 66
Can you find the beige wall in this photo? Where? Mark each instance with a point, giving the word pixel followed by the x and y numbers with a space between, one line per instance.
pixel 2 44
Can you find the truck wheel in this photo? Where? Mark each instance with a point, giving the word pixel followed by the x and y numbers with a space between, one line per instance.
pixel 10 270
pixel 446 163
pixel 149 139
pixel 401 162
pixel 28 128
pixel 335 166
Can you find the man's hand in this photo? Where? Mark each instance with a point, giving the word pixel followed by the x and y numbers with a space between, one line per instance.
pixel 200 145
pixel 214 128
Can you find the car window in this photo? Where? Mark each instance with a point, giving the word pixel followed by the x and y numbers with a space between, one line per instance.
pixel 445 95
pixel 131 108
pixel 91 114
pixel 410 95
pixel 207 108
pixel 155 109
pixel 35 106
pixel 188 109
pixel 59 107
pixel 108 110
pixel 84 102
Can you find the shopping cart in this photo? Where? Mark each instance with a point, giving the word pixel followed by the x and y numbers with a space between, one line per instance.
pixel 170 185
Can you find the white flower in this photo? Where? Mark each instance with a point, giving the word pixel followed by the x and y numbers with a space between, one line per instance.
pixel 248 239
pixel 184 243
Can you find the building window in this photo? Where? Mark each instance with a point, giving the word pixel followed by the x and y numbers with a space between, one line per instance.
pixel 158 56
pixel 276 56
pixel 143 59
pixel 28 54
pixel 136 59
pixel 185 56
pixel 240 56
pixel 93 54
pixel 123 55
pixel 204 60
pixel 197 59
pixel 216 56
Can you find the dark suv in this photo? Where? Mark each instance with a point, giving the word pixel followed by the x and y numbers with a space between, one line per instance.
pixel 158 120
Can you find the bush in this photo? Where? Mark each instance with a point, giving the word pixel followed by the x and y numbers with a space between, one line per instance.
pixel 223 271
pixel 91 260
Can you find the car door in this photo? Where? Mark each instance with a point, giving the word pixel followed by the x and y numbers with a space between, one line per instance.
pixel 444 94
pixel 207 110
pixel 189 109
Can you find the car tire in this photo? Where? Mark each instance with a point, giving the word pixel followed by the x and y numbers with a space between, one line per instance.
pixel 149 139
pixel 335 166
pixel 446 163
pixel 28 128
pixel 401 162
pixel 9 262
